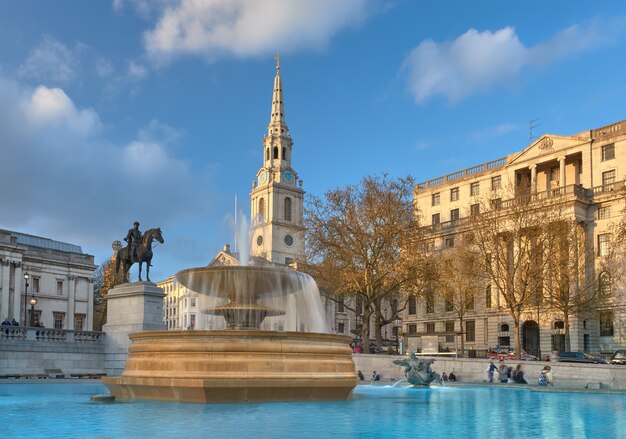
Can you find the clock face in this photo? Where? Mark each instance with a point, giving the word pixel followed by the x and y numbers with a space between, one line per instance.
pixel 288 240
pixel 262 176
pixel 287 176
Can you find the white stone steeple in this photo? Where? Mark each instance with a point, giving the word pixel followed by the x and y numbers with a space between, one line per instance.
pixel 277 196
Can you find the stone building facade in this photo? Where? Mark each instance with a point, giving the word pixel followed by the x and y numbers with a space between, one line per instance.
pixel 588 170
pixel 60 278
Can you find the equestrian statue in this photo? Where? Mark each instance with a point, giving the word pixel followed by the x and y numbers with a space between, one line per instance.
pixel 139 249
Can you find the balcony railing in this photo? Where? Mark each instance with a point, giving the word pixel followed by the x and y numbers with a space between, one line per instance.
pixel 460 174
pixel 50 335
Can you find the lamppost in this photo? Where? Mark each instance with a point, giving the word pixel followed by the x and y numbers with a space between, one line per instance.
pixel 26 277
pixel 33 302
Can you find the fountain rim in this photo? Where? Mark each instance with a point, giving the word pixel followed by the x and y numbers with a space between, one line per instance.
pixel 228 333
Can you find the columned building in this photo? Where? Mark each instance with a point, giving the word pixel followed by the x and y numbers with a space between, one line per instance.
pixel 59 276
pixel 587 172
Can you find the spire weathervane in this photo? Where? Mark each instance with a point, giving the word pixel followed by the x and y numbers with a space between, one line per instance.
pixel 277 58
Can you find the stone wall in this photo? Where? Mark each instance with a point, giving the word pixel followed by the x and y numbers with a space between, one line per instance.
pixel 570 375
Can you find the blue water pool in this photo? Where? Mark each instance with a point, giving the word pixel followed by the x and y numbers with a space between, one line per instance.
pixel 60 410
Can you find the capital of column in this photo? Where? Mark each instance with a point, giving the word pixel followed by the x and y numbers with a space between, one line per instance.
pixel 532 167
pixel 561 159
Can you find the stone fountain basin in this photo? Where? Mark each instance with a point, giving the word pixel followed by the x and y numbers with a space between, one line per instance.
pixel 235 366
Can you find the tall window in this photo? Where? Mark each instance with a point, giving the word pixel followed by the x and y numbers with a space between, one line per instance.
pixel 608 178
pixel 341 328
pixel 267 154
pixel 496 203
pixel 454 215
pixel 79 322
pixel 436 199
pixel 59 320
pixel 603 244
pixel 606 323
pixel 262 208
pixel 470 330
pixel 412 305
pixel 287 209
pixel 284 153
pixel 454 194
pixel 474 189
pixel 275 151
pixel 474 209
pixel 59 288
pixel 449 332
pixel 448 305
pixel 430 328
pixel 604 287
pixel 436 219
pixel 469 301
pixel 488 297
pixel 341 307
pixel 412 329
pixel 604 212
pixel 608 152
pixel 496 183
pixel 448 242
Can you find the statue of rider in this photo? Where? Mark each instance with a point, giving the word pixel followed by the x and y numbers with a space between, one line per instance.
pixel 133 238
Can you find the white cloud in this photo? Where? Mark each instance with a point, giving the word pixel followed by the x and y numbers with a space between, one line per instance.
pixel 477 61
pixel 136 71
pixel 51 61
pixel 241 28
pixel 67 180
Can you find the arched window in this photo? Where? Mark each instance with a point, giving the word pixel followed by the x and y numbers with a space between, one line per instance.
pixel 559 324
pixel 504 327
pixel 262 208
pixel 284 153
pixel 604 284
pixel 275 152
pixel 267 154
pixel 287 214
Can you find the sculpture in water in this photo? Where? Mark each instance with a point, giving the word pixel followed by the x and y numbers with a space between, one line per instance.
pixel 418 371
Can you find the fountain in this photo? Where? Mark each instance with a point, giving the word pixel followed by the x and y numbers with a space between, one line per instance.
pixel 243 362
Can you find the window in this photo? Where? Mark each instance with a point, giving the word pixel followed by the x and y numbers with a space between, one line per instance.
pixel 288 239
pixel 606 323
pixel 496 203
pixel 454 215
pixel 448 242
pixel 262 208
pixel 79 322
pixel 430 302
pixel 192 321
pixel 395 331
pixel 35 284
pixel 267 154
pixel 474 209
pixel 341 307
pixel 193 302
pixel 288 261
pixel 412 305
pixel 430 246
pixel 359 306
pixel 275 156
pixel 284 153
pixel 603 244
pixel 412 329
pixel 470 330
pixel 449 306
pixel 488 297
pixel 454 194
pixel 436 199
pixel 559 324
pixel 430 328
pixel 449 332
pixel 604 212
pixel 59 288
pixel 59 319
pixel 474 189
pixel 436 219
pixel 604 284
pixel 341 328
pixel 504 327
pixel 608 178
pixel 496 183
pixel 469 302
pixel 287 210
pixel 608 152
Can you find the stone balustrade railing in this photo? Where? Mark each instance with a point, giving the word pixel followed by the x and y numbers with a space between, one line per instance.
pixel 50 335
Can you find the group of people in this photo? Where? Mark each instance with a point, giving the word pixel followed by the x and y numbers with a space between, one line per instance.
pixel 375 376
pixel 507 374
pixel 7 322
pixel 446 377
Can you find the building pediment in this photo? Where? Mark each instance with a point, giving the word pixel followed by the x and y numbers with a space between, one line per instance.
pixel 546 145
pixel 223 259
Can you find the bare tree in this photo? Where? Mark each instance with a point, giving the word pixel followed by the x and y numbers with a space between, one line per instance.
pixel 458 279
pixel 354 238
pixel 105 278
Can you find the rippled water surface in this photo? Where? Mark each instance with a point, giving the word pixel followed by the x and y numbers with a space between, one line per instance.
pixel 56 410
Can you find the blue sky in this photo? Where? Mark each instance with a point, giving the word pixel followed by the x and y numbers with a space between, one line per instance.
pixel 115 111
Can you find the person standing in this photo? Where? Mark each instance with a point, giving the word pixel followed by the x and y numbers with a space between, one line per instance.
pixel 503 371
pixel 518 375
pixel 491 370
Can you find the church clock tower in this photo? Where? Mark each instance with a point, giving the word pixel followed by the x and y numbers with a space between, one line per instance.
pixel 277 197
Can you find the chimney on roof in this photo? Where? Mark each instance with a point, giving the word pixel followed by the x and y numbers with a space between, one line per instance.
pixel 226 248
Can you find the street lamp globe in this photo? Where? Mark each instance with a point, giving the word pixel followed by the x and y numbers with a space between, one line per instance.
pixel 33 301
pixel 26 276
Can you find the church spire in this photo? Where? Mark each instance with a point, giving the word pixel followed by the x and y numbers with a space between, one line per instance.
pixel 278 108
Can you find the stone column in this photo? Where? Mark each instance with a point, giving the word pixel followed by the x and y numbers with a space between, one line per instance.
pixel 131 307
pixel 533 178
pixel 4 303
pixel 89 324
pixel 71 301
pixel 18 286
pixel 562 171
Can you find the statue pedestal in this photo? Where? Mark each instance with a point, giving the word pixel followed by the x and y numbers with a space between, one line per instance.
pixel 131 307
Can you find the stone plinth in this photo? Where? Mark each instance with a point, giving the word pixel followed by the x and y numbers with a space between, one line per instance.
pixel 131 307
pixel 235 366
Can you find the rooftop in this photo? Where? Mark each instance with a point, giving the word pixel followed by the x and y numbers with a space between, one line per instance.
pixel 46 243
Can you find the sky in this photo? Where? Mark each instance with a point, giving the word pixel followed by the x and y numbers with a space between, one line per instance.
pixel 154 110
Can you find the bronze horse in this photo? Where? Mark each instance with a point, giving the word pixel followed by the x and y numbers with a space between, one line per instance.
pixel 144 253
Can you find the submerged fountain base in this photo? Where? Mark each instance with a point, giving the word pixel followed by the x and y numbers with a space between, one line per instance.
pixel 235 366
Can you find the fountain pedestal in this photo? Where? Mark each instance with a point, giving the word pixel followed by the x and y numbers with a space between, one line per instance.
pixel 131 307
